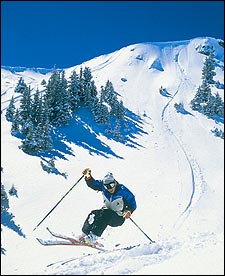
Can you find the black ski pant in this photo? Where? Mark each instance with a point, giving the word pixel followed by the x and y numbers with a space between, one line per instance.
pixel 98 220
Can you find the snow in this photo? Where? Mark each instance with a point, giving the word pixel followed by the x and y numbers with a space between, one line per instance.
pixel 171 161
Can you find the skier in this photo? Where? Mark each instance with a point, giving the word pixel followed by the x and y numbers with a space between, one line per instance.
pixel 119 204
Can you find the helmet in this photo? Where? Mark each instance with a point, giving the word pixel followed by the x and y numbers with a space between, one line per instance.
pixel 109 181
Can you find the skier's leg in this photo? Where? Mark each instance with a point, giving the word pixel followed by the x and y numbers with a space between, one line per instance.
pixel 98 220
pixel 115 219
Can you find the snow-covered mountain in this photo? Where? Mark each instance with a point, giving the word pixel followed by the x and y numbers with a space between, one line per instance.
pixel 171 160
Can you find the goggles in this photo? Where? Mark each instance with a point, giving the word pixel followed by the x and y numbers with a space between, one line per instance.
pixel 110 185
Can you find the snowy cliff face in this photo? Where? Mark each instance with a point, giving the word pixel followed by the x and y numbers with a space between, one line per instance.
pixel 172 162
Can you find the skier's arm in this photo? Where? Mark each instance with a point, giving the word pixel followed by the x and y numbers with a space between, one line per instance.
pixel 129 201
pixel 94 184
pixel 90 181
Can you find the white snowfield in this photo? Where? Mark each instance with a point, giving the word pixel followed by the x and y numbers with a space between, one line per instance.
pixel 172 162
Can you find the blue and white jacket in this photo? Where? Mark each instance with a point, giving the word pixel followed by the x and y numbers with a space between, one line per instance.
pixel 122 199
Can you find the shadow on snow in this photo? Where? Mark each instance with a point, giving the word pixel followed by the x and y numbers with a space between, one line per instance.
pixel 84 132
pixel 7 221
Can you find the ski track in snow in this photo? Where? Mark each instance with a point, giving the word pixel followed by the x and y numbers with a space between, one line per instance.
pixel 195 171
pixel 104 262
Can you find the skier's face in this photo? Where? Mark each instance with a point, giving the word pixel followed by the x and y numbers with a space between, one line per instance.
pixel 112 190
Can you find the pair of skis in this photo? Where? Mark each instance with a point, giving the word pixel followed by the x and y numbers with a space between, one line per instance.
pixel 68 241
pixel 65 240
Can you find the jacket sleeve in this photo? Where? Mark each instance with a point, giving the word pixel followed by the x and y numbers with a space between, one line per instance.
pixel 129 200
pixel 94 184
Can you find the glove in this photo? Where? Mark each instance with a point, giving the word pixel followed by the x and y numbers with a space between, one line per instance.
pixel 87 173
pixel 126 214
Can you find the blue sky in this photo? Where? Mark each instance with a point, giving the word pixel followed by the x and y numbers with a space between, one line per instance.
pixel 67 33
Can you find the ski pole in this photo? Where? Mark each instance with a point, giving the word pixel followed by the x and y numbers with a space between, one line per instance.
pixel 141 230
pixel 58 202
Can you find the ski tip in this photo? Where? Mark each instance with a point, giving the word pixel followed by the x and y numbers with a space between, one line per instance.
pixel 40 240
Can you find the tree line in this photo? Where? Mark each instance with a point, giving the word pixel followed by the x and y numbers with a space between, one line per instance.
pixel 36 115
pixel 204 101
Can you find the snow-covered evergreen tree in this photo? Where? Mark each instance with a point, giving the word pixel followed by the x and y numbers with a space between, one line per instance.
pixel 100 112
pixel 43 82
pixel 108 94
pixel 204 101
pixel 81 86
pixel 4 199
pixel 218 106
pixel 21 86
pixel 10 111
pixel 208 107
pixel 218 132
pixel 179 107
pixel 25 104
pixel 116 131
pixel 208 71
pixel 73 90
pixel 25 110
pixel 118 109
pixel 36 108
pixel 37 140
pixel 63 108
pixel 202 96
pixel 16 123
pixel 89 88
pixel 57 99
pixel 13 191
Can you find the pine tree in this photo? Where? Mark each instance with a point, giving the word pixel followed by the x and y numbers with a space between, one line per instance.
pixel 208 69
pixel 25 111
pixel 205 92
pixel 100 112
pixel 81 86
pixel 15 127
pixel 25 104
pixel 218 106
pixel 43 82
pixel 89 88
pixel 203 95
pixel 13 191
pixel 54 97
pixel 196 101
pixel 208 108
pixel 64 112
pixel 116 132
pixel 36 108
pixel 108 94
pixel 21 86
pixel 44 113
pixel 73 90
pixel 119 110
pixel 204 101
pixel 4 199
pixel 37 140
pixel 10 111
pixel 52 94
